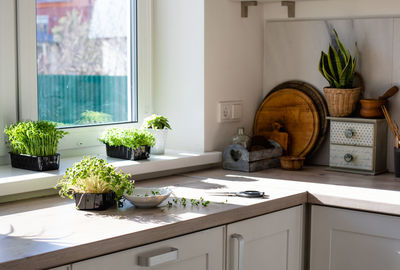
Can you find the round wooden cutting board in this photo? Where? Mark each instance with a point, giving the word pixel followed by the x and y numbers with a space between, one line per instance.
pixel 319 102
pixel 298 115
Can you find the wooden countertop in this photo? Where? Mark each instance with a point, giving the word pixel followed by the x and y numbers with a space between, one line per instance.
pixel 47 232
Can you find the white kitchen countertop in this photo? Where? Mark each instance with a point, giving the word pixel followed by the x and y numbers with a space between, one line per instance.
pixel 47 232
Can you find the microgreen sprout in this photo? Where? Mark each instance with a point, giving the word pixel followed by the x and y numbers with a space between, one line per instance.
pixel 94 175
pixel 131 138
pixel 184 202
pixel 38 138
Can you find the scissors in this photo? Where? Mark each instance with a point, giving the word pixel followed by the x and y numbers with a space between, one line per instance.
pixel 244 194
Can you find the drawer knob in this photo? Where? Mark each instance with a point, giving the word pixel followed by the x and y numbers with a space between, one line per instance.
pixel 348 157
pixel 349 133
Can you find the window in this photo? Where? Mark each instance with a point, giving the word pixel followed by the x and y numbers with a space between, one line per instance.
pixel 86 61
pixel 92 96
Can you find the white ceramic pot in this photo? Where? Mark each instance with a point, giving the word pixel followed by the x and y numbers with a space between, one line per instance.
pixel 161 138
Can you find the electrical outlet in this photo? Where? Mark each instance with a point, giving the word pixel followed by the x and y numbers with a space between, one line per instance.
pixel 225 112
pixel 229 111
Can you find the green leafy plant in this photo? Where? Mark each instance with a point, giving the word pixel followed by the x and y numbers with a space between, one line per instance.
pixel 92 117
pixel 34 138
pixel 156 122
pixel 131 138
pixel 338 66
pixel 94 175
pixel 183 202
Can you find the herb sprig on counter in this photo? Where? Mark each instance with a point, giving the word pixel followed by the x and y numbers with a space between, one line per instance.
pixel 184 202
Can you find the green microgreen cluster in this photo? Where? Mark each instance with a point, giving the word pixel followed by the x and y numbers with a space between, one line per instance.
pixel 338 66
pixel 92 117
pixel 38 138
pixel 131 138
pixel 193 202
pixel 94 175
pixel 153 192
pixel 156 122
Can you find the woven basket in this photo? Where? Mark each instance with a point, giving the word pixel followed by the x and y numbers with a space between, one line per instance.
pixel 342 102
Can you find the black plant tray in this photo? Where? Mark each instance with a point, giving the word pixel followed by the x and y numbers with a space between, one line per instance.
pixel 124 152
pixel 94 201
pixel 35 163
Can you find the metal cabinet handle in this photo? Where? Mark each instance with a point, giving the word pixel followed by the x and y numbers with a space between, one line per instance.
pixel 158 257
pixel 348 157
pixel 240 257
pixel 349 133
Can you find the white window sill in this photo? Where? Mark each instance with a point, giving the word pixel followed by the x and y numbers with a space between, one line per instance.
pixel 15 181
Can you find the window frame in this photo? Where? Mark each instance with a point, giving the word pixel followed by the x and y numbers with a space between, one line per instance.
pixel 80 137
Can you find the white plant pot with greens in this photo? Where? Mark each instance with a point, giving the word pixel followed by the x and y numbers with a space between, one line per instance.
pixel 94 184
pixel 132 143
pixel 158 126
pixel 34 145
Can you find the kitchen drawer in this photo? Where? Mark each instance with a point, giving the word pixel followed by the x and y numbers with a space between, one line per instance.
pixel 352 133
pixel 196 251
pixel 351 157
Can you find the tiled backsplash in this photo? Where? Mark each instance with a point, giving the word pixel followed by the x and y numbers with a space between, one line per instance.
pixel 292 51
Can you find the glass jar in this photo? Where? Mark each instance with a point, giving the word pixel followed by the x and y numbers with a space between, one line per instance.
pixel 242 139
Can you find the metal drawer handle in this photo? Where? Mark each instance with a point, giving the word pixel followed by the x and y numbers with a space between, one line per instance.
pixel 349 133
pixel 158 257
pixel 240 257
pixel 348 157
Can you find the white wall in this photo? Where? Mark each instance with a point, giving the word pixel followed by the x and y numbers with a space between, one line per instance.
pixel 204 52
pixel 178 70
pixel 8 70
pixel 334 9
pixel 233 67
pixel 292 47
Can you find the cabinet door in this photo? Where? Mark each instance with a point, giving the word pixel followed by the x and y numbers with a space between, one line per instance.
pixel 197 251
pixel 64 267
pixel 272 241
pixel 353 240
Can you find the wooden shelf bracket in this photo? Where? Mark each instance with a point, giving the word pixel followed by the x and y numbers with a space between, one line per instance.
pixel 291 8
pixel 245 5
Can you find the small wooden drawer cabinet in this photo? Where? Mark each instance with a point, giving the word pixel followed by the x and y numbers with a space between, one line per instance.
pixel 358 145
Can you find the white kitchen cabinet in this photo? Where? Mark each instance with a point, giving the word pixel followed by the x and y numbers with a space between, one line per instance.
pixel 64 267
pixel 353 240
pixel 197 251
pixel 273 241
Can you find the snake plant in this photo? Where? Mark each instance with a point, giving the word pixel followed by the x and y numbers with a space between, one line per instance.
pixel 338 66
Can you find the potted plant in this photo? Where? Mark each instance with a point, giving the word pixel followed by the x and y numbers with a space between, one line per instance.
pixel 93 117
pixel 157 125
pixel 338 68
pixel 94 184
pixel 133 144
pixel 34 145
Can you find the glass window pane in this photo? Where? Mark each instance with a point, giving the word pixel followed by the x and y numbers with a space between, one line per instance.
pixel 84 61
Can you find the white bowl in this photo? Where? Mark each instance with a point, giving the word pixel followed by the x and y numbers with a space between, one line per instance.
pixel 148 197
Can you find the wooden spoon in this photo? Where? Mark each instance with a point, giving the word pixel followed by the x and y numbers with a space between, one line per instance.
pixel 389 93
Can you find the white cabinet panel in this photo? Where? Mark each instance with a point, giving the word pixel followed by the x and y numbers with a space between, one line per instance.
pixel 272 241
pixel 352 240
pixel 197 251
pixel 64 267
